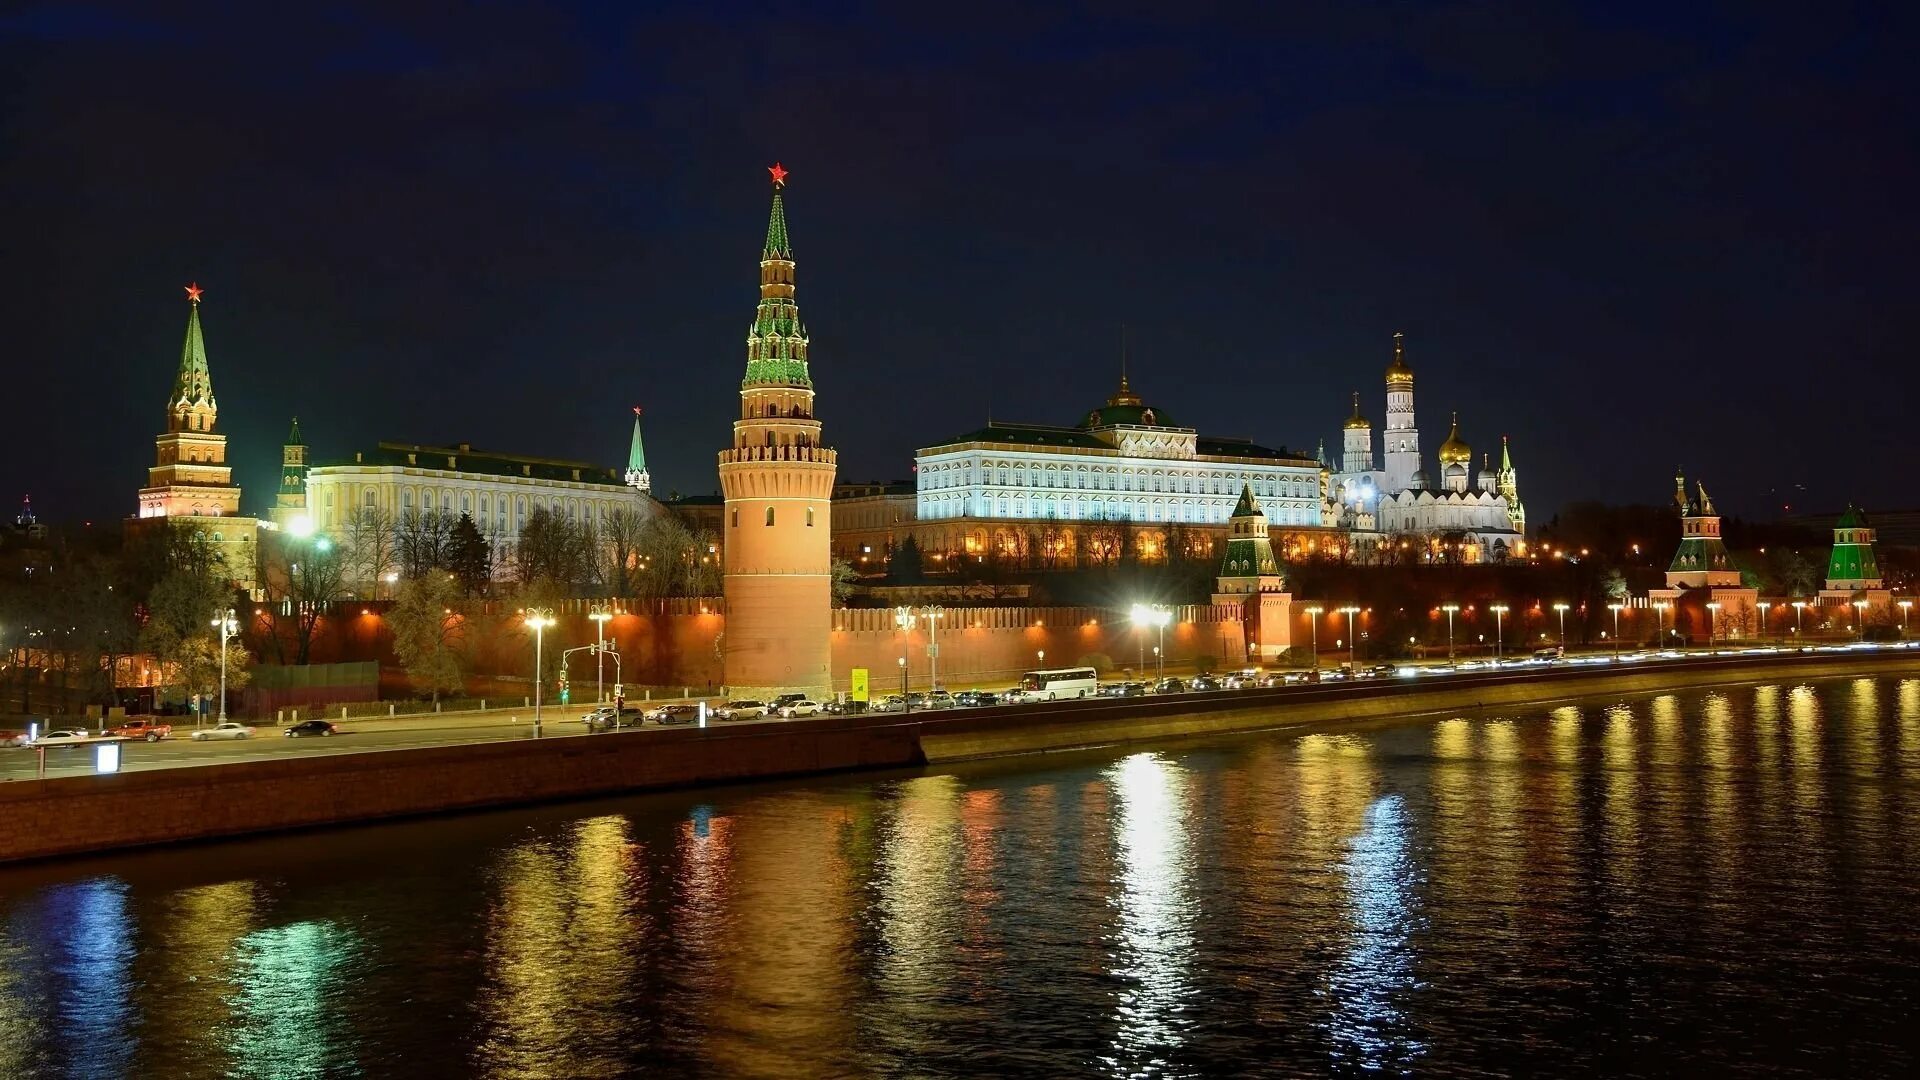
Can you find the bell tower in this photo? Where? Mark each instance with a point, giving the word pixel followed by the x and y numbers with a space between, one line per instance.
pixel 778 482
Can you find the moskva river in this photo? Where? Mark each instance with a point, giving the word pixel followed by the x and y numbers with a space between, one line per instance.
pixel 1688 884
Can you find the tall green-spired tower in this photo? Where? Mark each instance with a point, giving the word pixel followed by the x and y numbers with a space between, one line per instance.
pixel 1250 580
pixel 637 476
pixel 290 502
pixel 778 481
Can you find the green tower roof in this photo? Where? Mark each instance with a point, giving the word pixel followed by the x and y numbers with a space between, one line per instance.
pixel 636 452
pixel 1246 507
pixel 293 436
pixel 1852 519
pixel 778 246
pixel 193 384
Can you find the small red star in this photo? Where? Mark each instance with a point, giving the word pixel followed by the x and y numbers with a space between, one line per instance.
pixel 636 410
pixel 193 293
pixel 779 175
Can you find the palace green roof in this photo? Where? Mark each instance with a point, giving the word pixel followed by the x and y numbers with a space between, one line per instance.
pixel 464 458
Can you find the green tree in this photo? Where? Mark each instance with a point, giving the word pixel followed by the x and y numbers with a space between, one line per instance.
pixel 428 633
pixel 190 591
pixel 845 577
pixel 469 557
pixel 905 567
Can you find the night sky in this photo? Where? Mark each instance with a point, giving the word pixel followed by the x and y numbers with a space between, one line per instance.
pixel 1629 239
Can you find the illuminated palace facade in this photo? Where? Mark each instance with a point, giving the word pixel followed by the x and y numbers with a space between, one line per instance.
pixel 1127 480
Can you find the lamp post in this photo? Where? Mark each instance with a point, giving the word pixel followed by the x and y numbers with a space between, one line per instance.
pixel 1660 620
pixel 903 618
pixel 1860 619
pixel 933 616
pixel 1799 621
pixel 600 616
pixel 1763 605
pixel 1313 629
pixel 1615 608
pixel 539 620
pixel 226 624
pixel 1905 607
pixel 1562 609
pixel 1713 614
pixel 1353 641
pixel 1499 635
pixel 1450 609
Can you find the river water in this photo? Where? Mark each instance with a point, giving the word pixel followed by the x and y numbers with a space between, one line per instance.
pixel 1699 882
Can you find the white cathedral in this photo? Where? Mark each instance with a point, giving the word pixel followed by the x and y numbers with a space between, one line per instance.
pixel 1398 496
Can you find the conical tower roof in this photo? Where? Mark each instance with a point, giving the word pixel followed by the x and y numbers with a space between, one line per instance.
pixel 1851 519
pixel 1247 506
pixel 636 451
pixel 193 383
pixel 778 247
pixel 293 436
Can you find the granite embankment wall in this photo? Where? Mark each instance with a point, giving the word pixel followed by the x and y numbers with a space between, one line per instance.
pixel 71 815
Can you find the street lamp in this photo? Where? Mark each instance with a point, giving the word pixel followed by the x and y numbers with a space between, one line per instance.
pixel 226 624
pixel 1763 605
pixel 1860 619
pixel 1905 606
pixel 1713 614
pixel 1799 621
pixel 538 620
pixel 1450 609
pixel 1615 608
pixel 1499 636
pixel 906 703
pixel 933 616
pixel 600 615
pixel 903 618
pixel 1562 609
pixel 1660 620
pixel 1353 641
pixel 1313 627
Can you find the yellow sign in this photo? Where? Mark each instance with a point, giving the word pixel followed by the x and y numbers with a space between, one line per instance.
pixel 858 684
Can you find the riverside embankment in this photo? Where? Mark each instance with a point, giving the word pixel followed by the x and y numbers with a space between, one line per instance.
pixel 72 815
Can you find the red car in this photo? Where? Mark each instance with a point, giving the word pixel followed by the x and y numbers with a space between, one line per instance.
pixel 150 730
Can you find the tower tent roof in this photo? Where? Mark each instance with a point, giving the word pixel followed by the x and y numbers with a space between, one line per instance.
pixel 193 383
pixel 778 247
pixel 636 452
pixel 1853 518
pixel 1247 507
pixel 293 436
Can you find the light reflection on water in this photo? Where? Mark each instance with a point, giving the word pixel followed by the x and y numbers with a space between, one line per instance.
pixel 1699 882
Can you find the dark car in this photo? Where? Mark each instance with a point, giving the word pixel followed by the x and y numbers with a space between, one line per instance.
pixel 1204 682
pixel 1170 685
pixel 783 701
pixel 603 719
pixel 974 699
pixel 1124 689
pixel 311 727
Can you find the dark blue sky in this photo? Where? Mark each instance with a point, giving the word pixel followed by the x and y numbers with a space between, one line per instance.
pixel 1627 237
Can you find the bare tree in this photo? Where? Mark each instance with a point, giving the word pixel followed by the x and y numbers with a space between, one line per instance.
pixel 424 540
pixel 370 547
pixel 620 549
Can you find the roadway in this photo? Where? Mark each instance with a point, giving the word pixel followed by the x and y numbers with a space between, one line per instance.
pixel 392 733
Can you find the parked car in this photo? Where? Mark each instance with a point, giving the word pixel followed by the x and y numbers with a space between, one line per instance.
pixel 1203 682
pixel 794 709
pixel 306 728
pixel 1241 680
pixel 604 718
pixel 59 736
pixel 1123 689
pixel 675 714
pixel 785 700
pixel 1170 685
pixel 744 709
pixel 833 708
pixel 890 703
pixel 975 699
pixel 144 728
pixel 229 730
pixel 1381 671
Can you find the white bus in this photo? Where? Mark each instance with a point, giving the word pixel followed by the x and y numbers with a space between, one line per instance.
pixel 1076 682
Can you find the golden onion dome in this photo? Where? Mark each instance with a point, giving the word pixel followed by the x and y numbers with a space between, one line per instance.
pixel 1398 373
pixel 1455 450
pixel 1356 422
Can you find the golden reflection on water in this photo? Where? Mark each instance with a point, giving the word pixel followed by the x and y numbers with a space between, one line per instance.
pixel 920 910
pixel 1621 792
pixel 562 944
pixel 191 974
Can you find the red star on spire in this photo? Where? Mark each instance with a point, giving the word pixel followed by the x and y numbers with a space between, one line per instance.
pixel 193 293
pixel 779 175
pixel 636 410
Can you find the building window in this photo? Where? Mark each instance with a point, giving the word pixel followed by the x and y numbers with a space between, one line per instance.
pixel 809 517
pixel 736 519
pixel 769 515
